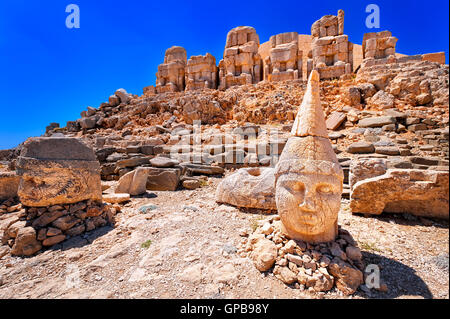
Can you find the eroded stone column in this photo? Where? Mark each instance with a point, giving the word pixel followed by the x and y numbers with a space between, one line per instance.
pixel 241 62
pixel 285 59
pixel 171 74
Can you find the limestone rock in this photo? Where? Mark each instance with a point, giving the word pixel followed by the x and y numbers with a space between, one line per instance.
pixel 162 162
pixel 50 241
pixel 201 72
pixel 114 100
pixel 348 279
pixel 116 198
pixel 354 253
pixel 285 59
pixel 376 121
pixel 66 222
pixel 365 168
pixel 418 192
pixel 361 148
pixel 123 96
pixel 285 275
pixel 248 187
pixel 9 184
pixel 241 63
pixel 134 182
pixel 264 254
pixel 57 171
pixel 367 90
pixel 351 96
pixel 87 122
pixel 163 179
pixel 381 100
pixel 26 243
pixel 191 184
pixel 171 74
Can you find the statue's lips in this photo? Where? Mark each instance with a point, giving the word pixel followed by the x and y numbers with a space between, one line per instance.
pixel 308 218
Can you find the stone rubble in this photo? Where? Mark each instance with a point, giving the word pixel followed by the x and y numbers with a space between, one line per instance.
pixel 317 268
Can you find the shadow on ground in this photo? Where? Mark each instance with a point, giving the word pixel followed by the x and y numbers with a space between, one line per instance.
pixel 408 220
pixel 146 195
pixel 400 279
pixel 82 240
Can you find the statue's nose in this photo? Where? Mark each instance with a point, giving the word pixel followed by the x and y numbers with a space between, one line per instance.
pixel 308 203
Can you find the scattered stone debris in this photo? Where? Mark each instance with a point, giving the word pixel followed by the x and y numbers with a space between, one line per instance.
pixel 315 267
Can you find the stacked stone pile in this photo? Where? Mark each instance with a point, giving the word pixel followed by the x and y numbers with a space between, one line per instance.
pixel 33 228
pixel 10 205
pixel 60 195
pixel 411 80
pixel 316 268
pixel 105 116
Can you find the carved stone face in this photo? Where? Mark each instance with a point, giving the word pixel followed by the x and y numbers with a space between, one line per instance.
pixel 308 205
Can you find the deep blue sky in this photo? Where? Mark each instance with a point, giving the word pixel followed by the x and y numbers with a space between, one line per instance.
pixel 49 73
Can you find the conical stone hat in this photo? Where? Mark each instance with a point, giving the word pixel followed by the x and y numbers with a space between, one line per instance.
pixel 310 120
pixel 309 150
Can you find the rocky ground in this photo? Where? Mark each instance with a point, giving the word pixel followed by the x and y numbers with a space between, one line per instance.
pixel 183 244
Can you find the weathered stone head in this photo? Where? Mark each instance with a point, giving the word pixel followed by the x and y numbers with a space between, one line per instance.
pixel 308 177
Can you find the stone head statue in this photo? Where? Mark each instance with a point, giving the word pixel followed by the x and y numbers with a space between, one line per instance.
pixel 308 177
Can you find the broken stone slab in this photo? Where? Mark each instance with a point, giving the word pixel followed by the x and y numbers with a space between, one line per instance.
pixel 428 161
pixel 163 162
pixel 26 243
pixel 163 179
pixel 378 121
pixel 395 113
pixel 9 184
pixel 134 182
pixel 116 198
pixel 123 96
pixel 335 120
pixel 364 168
pixel 417 192
pixel 191 184
pixel 361 148
pixel 381 100
pixel 417 127
pixel 202 169
pixel 387 150
pixel 248 187
pixel 57 171
pixel 133 162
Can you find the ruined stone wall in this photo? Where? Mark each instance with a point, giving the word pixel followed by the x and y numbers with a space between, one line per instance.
pixel 378 45
pixel 201 72
pixel 331 52
pixel 171 74
pixel 285 59
pixel 241 63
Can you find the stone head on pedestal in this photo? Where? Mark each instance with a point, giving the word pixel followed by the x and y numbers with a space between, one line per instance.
pixel 308 177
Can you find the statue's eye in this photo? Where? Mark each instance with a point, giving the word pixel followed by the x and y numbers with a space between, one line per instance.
pixel 298 187
pixel 325 189
pixel 295 187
